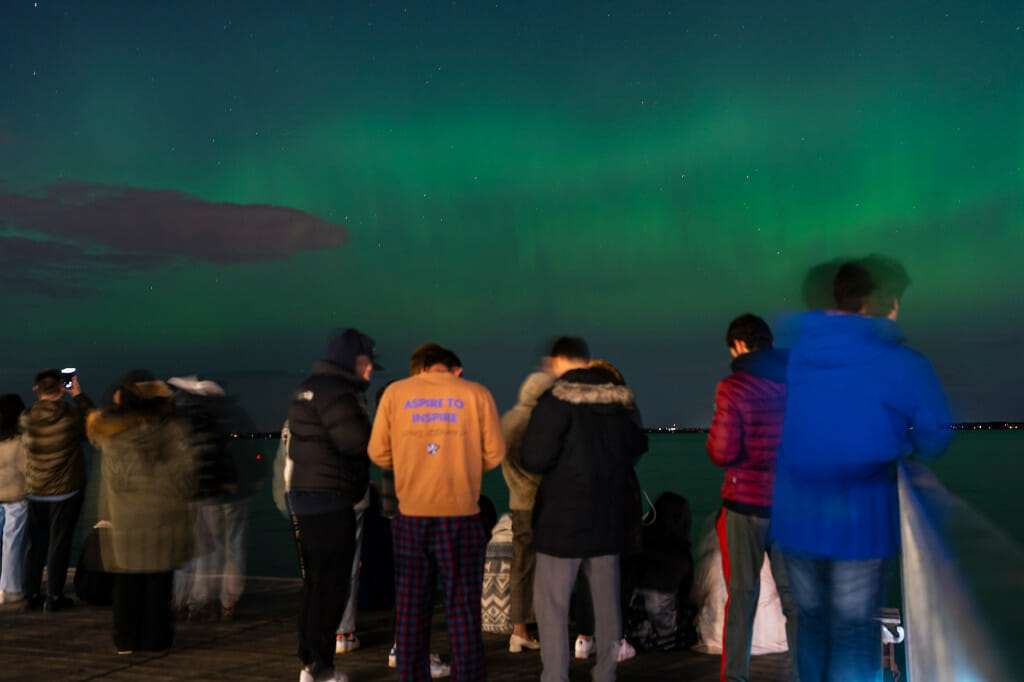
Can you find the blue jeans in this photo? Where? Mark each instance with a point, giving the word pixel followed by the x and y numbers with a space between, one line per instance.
pixel 217 575
pixel 348 618
pixel 838 636
pixel 12 520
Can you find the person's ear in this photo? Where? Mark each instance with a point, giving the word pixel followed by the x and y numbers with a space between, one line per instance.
pixel 738 348
pixel 895 312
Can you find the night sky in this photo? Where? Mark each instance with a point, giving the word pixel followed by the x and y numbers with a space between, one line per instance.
pixel 213 187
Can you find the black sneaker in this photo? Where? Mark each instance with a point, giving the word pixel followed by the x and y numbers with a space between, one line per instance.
pixel 58 604
pixel 33 603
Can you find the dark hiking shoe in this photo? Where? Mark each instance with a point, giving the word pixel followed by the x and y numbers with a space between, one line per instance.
pixel 58 604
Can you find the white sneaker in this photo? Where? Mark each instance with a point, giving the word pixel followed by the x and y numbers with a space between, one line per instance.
pixel 11 597
pixel 584 647
pixel 438 668
pixel 626 650
pixel 517 643
pixel 346 643
pixel 335 676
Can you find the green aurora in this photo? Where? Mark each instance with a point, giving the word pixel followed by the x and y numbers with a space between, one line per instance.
pixel 635 175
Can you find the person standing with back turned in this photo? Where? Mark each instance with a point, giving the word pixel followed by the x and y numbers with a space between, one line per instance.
pixel 329 428
pixel 583 440
pixel 858 402
pixel 53 431
pixel 439 433
pixel 750 406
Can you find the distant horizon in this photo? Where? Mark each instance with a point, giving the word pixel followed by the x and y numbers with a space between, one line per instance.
pixel 960 426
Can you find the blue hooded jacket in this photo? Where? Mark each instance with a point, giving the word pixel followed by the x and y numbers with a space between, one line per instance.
pixel 859 401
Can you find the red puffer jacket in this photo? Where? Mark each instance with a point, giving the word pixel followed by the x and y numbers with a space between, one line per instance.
pixel 749 409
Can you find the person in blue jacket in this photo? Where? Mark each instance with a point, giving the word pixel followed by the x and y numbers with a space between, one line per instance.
pixel 859 401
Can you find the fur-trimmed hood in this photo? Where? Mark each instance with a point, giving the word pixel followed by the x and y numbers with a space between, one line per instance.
pixel 592 387
pixel 104 425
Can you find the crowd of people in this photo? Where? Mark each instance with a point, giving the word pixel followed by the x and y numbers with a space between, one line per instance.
pixel 807 437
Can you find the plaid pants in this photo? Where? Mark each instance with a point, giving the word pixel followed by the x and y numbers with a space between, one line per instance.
pixel 425 547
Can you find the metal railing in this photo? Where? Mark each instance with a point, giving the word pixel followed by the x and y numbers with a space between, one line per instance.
pixel 963 587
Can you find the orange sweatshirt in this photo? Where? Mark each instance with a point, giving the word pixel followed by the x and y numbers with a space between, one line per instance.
pixel 439 433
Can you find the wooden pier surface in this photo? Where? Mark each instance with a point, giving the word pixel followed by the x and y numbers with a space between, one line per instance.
pixel 260 644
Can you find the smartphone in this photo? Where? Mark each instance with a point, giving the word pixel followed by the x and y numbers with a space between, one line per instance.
pixel 67 374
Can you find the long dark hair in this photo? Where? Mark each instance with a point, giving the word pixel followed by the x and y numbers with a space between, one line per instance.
pixel 11 407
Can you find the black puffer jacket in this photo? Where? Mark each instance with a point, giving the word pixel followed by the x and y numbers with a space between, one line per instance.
pixel 53 431
pixel 330 428
pixel 583 439
pixel 215 466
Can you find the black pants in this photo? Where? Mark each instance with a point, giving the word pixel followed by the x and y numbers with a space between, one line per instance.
pixel 142 611
pixel 326 545
pixel 51 525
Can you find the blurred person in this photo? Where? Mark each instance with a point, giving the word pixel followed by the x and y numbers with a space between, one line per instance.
pixel 212 583
pixel 13 505
pixel 522 489
pixel 750 406
pixel 439 433
pixel 329 428
pixel 583 440
pixel 147 477
pixel 859 401
pixel 53 431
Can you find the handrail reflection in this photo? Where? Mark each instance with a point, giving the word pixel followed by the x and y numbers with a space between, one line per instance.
pixel 963 586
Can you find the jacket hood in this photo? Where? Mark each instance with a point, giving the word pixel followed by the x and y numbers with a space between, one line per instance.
pixel 592 387
pixel 672 522
pixel 104 425
pixel 533 387
pixel 328 367
pixel 768 363
pixel 833 339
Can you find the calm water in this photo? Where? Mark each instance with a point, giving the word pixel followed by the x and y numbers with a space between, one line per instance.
pixel 983 467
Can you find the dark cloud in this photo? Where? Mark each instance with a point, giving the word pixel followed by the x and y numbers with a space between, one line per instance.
pixel 146 223
pixel 55 241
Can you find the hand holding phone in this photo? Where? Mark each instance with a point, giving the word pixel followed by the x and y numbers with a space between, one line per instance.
pixel 68 375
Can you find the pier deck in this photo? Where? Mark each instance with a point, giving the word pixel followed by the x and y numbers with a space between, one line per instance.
pixel 260 645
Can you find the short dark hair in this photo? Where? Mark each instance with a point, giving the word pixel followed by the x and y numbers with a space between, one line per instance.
pixel 49 382
pixel 11 407
pixel 451 359
pixel 419 356
pixel 438 355
pixel 871 284
pixel 751 330
pixel 571 347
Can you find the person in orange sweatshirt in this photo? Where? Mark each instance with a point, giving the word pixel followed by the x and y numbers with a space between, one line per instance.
pixel 439 433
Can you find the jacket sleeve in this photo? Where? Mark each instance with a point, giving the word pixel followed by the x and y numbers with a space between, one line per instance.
pixel 930 420
pixel 379 447
pixel 347 425
pixel 493 442
pixel 545 432
pixel 725 439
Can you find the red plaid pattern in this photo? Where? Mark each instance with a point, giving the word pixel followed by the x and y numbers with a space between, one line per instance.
pixel 454 548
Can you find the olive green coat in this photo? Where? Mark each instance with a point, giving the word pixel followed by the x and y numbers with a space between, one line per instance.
pixel 147 477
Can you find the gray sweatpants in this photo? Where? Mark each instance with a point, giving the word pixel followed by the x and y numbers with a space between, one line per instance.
pixel 744 539
pixel 552 590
